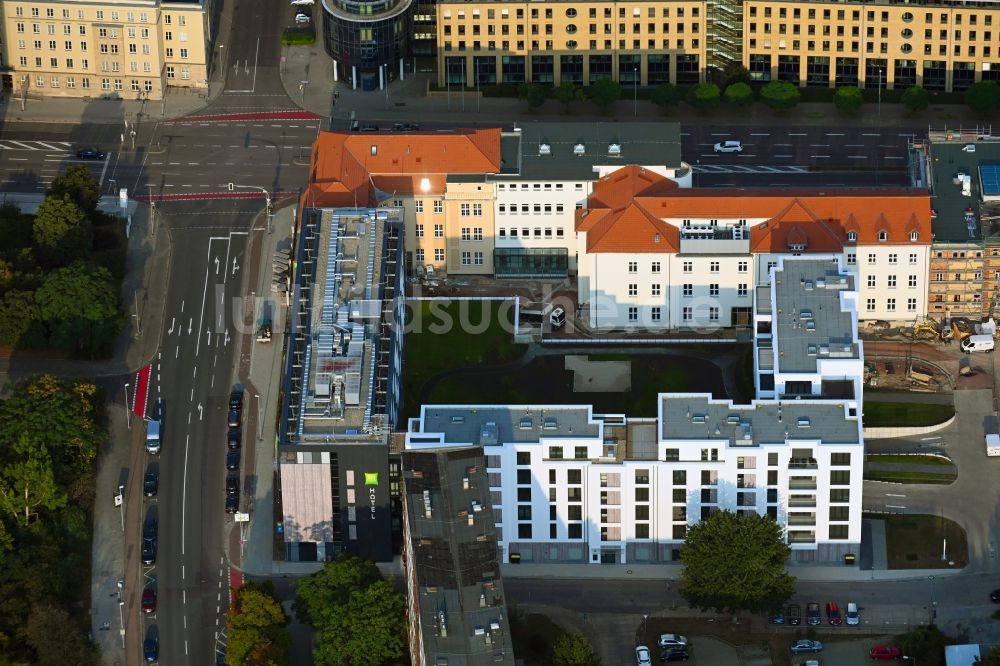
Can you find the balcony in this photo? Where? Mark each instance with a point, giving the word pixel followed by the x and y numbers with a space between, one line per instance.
pixel 804 519
pixel 715 240
pixel 802 463
pixel 802 536
pixel 802 483
pixel 802 501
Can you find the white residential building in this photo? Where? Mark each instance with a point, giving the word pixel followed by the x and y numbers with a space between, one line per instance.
pixel 569 485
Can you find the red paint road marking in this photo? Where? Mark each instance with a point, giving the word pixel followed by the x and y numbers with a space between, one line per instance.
pixel 141 391
pixel 205 196
pixel 265 115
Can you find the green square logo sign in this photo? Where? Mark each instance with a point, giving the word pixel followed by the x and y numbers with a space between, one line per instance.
pixel 371 478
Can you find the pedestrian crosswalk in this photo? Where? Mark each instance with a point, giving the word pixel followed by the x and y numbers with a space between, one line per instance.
pixel 748 168
pixel 50 146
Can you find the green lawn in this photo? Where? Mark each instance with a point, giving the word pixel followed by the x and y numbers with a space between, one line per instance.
pixel 298 37
pixel 915 541
pixel 910 477
pixel 533 637
pixel 896 414
pixel 907 459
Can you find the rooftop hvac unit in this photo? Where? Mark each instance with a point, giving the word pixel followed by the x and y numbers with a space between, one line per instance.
pixel 615 150
pixel 544 149
pixel 579 150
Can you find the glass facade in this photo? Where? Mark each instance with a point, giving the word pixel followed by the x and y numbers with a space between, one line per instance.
pixel 367 35
pixel 530 262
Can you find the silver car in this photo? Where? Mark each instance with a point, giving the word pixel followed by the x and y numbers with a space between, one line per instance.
pixel 729 147
pixel 805 645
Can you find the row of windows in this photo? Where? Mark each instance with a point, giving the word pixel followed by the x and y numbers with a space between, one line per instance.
pixel 472 234
pixel 539 232
pixel 106 84
pixel 841 31
pixel 537 186
pixel 893 258
pixel 418 206
pixel 471 209
pixel 538 209
pixel 592 28
pixel 418 255
pixel 641 476
pixel 890 281
pixel 438 229
pixel 571 12
pixel 99 15
pixel 68 46
pixel 549 45
pixel 855 47
pixel 890 305
pixel 906 17
pixel 472 258
pixel 713 266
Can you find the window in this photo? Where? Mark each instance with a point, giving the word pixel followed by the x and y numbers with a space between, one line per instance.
pixel 477 210
pixel 892 258
pixel 575 531
pixel 439 254
pixel 466 233
pixel 477 233
pixel 686 314
pixel 580 452
pixel 713 267
pixel 555 452
pixel 913 257
pixel 911 281
pixel 891 305
pixel 655 290
pixel 871 258
pixel 687 266
pixel 466 258
pixel 477 258
pixel 418 206
pixel 184 53
pixel 687 289
pixel 656 267
pixel 741 289
pixel 852 236
pixel 524 530
pixel 418 254
pixel 633 267
pixel 655 314
pixel 574 477
pixel 911 305
pixel 438 206
pixel 633 313
pixel 713 314
pixel 713 289
pixel 870 305
pixel 438 231
pixel 633 289
pixel 891 281
pixel 742 267
pixel 852 258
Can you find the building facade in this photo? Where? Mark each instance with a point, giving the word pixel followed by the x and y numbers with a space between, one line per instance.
pixel 568 485
pixel 367 39
pixel 129 49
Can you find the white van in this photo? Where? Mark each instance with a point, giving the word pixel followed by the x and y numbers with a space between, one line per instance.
pixel 978 343
pixel 153 437
pixel 853 617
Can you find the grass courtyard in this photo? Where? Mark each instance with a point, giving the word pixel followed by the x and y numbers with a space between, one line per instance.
pixel 916 542
pixel 891 414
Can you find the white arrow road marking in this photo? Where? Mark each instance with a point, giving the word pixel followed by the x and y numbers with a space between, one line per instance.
pixel 172 321
pixel 201 412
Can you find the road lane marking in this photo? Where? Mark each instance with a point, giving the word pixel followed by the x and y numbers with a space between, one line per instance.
pixel 784 156
pixel 797 134
pixel 894 506
pixel 829 134
pixel 18 159
pixel 894 495
pixel 875 134
pixel 819 145
pixel 177 350
pixel 184 598
pixel 857 157
pixel 192 394
pixel 195 375
pixel 819 156
pixel 187 440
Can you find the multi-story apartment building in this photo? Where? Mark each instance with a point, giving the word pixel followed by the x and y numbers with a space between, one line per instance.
pixel 568 485
pixel 939 45
pixel 132 49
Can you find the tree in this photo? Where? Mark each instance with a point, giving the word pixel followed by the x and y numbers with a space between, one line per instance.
pixel 332 585
pixel 72 646
pixel 704 96
pixel 568 92
pixel 848 99
pixel 739 94
pixel 79 305
pixel 780 95
pixel 991 658
pixel 258 627
pixel 61 230
pixel 735 563
pixel 27 487
pixel 983 97
pixel 19 315
pixel 78 184
pixel 573 649
pixel 533 93
pixel 915 98
pixel 369 630
pixel 665 95
pixel 605 92
pixel 732 73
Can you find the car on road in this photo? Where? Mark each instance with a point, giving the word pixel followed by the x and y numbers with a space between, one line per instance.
pixel 232 503
pixel 777 618
pixel 149 541
pixel 804 645
pixel 235 418
pixel 151 481
pixel 672 641
pixel 149 599
pixel 90 154
pixel 151 649
pixel 236 400
pixel 302 17
pixel 675 654
pixel 232 485
pixel 728 147
pixel 300 3
pixel 405 127
pixel 233 438
pixel 642 656
pixel 813 618
pixel 793 615
pixel 852 616
pixel 233 459
pixel 995 596
pixel 833 614
pixel 885 653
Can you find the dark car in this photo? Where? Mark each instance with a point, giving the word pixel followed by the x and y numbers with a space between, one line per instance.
pixel 369 127
pixel 90 154
pixel 232 503
pixel 236 400
pixel 151 481
pixel 232 485
pixel 833 614
pixel 813 617
pixel 793 615
pixel 995 596
pixel 233 459
pixel 405 127
pixel 149 541
pixel 234 419
pixel 676 654
pixel 151 649
pixel 149 599
pixel 777 618
pixel 233 438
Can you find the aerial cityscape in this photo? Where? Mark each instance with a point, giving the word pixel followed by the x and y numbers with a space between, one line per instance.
pixel 467 332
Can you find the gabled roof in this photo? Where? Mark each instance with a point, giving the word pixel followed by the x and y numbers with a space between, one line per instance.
pixel 616 219
pixel 796 225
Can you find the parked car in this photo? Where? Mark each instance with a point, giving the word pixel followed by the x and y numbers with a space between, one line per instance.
pixel 675 654
pixel 813 618
pixel 236 400
pixel 405 127
pixel 777 618
pixel 368 127
pixel 804 645
pixel 151 481
pixel 90 154
pixel 729 147
pixel 232 503
pixel 232 485
pixel 642 656
pixel 235 418
pixel 793 615
pixel 233 459
pixel 149 599
pixel 852 615
pixel 149 541
pixel 302 16
pixel 995 596
pixel 672 641
pixel 885 653
pixel 151 649
pixel 299 3
pixel 233 438
pixel 833 614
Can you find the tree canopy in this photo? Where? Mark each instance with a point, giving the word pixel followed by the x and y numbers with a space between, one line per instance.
pixel 78 184
pixel 532 93
pixel 61 230
pixel 780 95
pixel 738 94
pixel 732 73
pixel 573 649
pixel 359 619
pixel 704 96
pixel 568 92
pixel 983 97
pixel 80 307
pixel 605 92
pixel 915 98
pixel 257 627
pixel 848 98
pixel 665 94
pixel 735 563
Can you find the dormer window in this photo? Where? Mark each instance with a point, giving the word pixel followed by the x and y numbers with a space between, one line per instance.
pixel 797 247
pixel 914 236
pixel 883 236
pixel 852 236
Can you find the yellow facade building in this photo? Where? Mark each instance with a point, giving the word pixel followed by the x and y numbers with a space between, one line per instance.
pixel 130 49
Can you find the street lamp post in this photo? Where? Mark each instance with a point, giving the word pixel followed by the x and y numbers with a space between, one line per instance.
pixel 267 197
pixel 121 503
pixel 879 111
pixel 128 409
pixel 121 611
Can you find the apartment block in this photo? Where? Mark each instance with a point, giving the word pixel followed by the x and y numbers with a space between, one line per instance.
pixel 569 485
pixel 131 49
